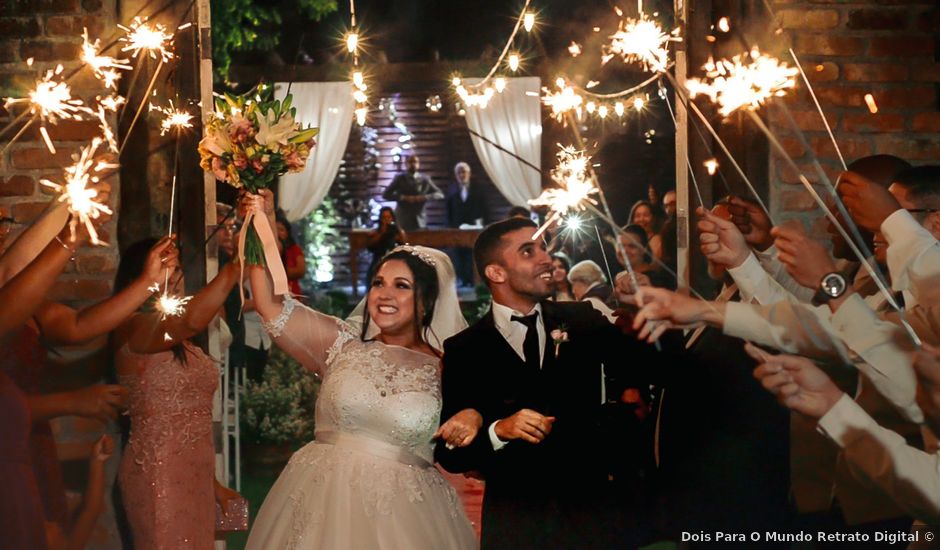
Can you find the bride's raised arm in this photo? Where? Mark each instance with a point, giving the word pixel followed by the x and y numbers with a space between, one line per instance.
pixel 306 335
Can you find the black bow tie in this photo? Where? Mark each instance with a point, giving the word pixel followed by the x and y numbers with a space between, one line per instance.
pixel 527 320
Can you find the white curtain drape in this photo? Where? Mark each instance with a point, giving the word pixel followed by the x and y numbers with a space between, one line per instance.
pixel 513 119
pixel 329 106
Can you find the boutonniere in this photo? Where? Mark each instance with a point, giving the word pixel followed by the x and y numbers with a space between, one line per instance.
pixel 559 336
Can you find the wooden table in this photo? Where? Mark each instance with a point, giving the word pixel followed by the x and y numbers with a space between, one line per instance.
pixel 435 238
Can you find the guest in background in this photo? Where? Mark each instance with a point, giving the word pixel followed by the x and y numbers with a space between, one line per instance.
pixel 562 264
pixel 292 256
pixel 650 219
pixel 465 206
pixel 386 237
pixel 669 204
pixel 411 190
pixel 634 243
pixel 589 284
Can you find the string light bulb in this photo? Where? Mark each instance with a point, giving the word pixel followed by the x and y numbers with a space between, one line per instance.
pixel 514 62
pixel 639 103
pixel 711 165
pixel 602 111
pixel 361 113
pixel 528 21
pixel 618 108
pixel 352 42
pixel 499 84
pixel 358 80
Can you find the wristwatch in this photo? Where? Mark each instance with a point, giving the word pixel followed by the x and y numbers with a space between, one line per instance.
pixel 833 285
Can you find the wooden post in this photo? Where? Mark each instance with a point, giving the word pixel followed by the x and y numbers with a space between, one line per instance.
pixel 683 255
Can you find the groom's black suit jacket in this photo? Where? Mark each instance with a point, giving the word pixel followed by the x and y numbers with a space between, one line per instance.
pixel 555 493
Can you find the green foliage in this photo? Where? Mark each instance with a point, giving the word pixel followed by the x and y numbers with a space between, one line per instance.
pixel 253 25
pixel 279 409
pixel 474 311
pixel 321 240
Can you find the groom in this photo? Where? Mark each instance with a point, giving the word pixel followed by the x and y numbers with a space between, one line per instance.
pixel 533 370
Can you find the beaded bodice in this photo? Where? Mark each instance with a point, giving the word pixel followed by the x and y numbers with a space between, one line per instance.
pixel 385 392
pixel 170 402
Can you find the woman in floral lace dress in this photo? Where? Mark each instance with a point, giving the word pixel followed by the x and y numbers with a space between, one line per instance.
pixel 368 480
pixel 167 473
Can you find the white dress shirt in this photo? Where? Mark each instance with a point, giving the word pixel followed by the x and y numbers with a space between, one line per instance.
pixel 913 258
pixel 883 458
pixel 515 333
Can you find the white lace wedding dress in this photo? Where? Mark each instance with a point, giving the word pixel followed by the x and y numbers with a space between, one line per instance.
pixel 368 481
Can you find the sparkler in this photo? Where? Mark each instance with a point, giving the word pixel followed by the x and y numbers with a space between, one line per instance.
pixel 575 188
pixel 76 193
pixel 746 81
pixel 152 39
pixel 103 66
pixel 642 41
pixel 173 119
pixel 563 100
pixel 48 102
pixel 835 222
pixel 171 306
pixel 819 109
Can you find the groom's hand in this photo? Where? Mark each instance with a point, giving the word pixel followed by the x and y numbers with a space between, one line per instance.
pixel 526 424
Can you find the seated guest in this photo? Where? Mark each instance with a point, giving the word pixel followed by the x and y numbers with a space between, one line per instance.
pixel 465 206
pixel 561 265
pixel 588 284
pixel 387 236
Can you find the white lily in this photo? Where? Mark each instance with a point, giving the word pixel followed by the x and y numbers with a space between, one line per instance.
pixel 273 133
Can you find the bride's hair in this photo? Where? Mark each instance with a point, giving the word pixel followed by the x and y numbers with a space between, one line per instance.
pixel 426 290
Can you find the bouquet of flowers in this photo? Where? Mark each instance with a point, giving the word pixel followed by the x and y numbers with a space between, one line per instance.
pixel 251 140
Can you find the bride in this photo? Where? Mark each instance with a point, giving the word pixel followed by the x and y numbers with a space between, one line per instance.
pixel 368 480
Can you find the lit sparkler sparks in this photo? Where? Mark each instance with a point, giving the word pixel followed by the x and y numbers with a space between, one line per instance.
pixel 173 118
pixel 575 187
pixel 51 100
pixel 142 36
pixel 103 66
pixel 109 103
pixel 172 306
pixel 745 81
pixel 76 192
pixel 562 101
pixel 641 40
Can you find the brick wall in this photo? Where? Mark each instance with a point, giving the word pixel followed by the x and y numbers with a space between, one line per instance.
pixel 50 32
pixel 887 48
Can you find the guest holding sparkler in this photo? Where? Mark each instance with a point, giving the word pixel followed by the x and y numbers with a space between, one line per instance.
pixel 28 277
pixel 166 474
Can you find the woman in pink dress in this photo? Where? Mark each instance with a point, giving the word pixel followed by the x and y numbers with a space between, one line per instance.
pixel 167 473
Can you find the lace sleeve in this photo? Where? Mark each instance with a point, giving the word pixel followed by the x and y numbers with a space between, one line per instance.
pixel 308 336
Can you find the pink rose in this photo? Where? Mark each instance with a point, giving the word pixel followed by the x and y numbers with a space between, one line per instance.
pixel 240 161
pixel 257 165
pixel 294 161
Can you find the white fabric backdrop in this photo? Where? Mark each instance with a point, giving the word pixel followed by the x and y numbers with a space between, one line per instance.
pixel 329 106
pixel 512 119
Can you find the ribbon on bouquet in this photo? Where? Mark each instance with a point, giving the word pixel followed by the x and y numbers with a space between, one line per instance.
pixel 271 256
